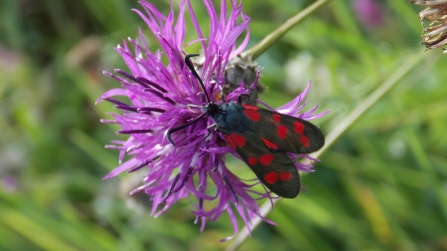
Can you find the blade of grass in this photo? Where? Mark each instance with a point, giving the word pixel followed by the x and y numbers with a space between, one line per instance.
pixel 436 185
pixel 96 151
pixel 33 231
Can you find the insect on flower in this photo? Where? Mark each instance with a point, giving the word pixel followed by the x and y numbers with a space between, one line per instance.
pixel 161 100
pixel 262 138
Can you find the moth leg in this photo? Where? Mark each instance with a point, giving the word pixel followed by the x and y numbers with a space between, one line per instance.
pixel 209 130
pixel 193 106
pixel 222 94
pixel 211 126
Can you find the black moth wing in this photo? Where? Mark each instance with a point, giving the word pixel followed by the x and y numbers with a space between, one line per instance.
pixel 292 134
pixel 275 169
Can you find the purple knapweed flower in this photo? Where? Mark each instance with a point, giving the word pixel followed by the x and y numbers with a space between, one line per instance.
pixel 163 96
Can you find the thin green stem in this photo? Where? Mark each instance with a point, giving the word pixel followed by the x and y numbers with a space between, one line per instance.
pixel 340 129
pixel 273 37
pixel 370 101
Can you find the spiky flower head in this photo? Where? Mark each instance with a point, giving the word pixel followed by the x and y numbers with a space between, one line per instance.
pixel 162 96
pixel 434 22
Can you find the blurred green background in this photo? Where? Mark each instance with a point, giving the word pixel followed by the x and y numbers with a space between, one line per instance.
pixel 381 186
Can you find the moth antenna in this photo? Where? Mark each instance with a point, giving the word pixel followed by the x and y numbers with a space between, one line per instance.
pixel 194 72
pixel 170 131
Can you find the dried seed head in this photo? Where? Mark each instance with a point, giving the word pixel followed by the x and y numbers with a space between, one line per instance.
pixel 237 70
pixel 434 22
pixel 240 69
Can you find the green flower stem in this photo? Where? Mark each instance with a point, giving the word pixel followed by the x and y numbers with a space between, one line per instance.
pixel 370 101
pixel 341 128
pixel 273 37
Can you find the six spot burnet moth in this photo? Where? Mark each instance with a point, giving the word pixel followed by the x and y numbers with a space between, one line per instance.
pixel 262 139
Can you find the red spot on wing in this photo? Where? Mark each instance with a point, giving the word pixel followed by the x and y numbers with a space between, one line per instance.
pixel 305 140
pixel 252 161
pixel 238 139
pixel 277 117
pixel 298 127
pixel 253 114
pixel 230 141
pixel 271 177
pixel 282 131
pixel 252 107
pixel 266 159
pixel 285 176
pixel 270 145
